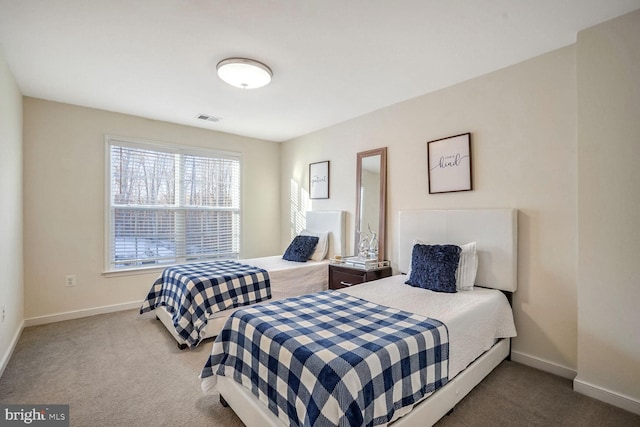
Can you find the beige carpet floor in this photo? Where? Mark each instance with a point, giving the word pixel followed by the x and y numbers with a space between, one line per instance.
pixel 123 369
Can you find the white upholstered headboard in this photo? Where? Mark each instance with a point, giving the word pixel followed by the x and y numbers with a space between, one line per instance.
pixel 495 232
pixel 335 223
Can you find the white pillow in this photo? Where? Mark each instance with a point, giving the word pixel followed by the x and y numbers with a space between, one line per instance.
pixel 467 265
pixel 322 248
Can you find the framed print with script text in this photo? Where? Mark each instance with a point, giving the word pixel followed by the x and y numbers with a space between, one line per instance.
pixel 449 161
pixel 319 180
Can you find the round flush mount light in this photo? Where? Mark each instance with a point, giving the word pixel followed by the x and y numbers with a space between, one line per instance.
pixel 244 73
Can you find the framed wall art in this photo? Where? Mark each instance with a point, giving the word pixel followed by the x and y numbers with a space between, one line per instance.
pixel 319 180
pixel 449 163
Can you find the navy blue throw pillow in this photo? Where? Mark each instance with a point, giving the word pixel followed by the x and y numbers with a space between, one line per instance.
pixel 434 267
pixel 301 248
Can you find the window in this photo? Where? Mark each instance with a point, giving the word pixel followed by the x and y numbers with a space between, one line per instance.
pixel 170 204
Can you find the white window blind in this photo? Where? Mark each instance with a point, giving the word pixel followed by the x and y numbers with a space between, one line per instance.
pixel 170 205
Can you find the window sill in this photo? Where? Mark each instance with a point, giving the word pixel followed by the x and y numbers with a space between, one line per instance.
pixel 134 271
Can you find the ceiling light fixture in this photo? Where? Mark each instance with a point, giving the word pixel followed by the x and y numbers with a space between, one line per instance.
pixel 244 73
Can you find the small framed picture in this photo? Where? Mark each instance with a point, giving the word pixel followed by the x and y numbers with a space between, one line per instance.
pixel 449 162
pixel 319 180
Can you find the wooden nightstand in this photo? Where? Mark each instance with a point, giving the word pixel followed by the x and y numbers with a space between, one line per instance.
pixel 341 276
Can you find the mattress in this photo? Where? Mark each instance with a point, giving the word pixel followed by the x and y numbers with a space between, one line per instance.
pixel 475 319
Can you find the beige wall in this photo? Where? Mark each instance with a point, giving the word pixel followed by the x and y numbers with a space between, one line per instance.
pixel 609 211
pixel 523 125
pixel 64 202
pixel 11 295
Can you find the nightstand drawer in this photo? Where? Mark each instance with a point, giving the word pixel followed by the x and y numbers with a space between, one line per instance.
pixel 342 277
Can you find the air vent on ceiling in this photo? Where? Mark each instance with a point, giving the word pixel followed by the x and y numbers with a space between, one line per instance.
pixel 208 118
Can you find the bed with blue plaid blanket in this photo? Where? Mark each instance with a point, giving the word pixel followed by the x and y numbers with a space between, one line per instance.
pixel 192 292
pixel 331 359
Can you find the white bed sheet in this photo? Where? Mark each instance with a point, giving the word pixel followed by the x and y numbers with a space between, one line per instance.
pixel 475 319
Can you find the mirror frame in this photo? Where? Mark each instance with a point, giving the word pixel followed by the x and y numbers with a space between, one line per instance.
pixel 382 152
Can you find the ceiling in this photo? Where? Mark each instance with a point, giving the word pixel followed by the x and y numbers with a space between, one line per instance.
pixel 332 60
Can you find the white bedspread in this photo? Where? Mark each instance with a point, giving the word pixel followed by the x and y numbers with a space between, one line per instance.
pixel 475 319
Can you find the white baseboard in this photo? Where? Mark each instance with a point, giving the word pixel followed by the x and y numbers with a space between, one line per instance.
pixel 543 365
pixel 608 396
pixel 78 314
pixel 7 356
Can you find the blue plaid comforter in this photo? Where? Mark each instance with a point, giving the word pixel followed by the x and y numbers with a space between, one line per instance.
pixel 331 359
pixel 191 292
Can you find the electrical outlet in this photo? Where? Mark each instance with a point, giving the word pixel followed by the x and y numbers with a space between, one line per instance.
pixel 70 280
pixel 4 313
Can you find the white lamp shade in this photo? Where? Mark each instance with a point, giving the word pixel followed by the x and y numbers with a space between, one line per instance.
pixel 244 73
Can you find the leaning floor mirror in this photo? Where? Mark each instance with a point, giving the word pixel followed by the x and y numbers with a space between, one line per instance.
pixel 371 194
